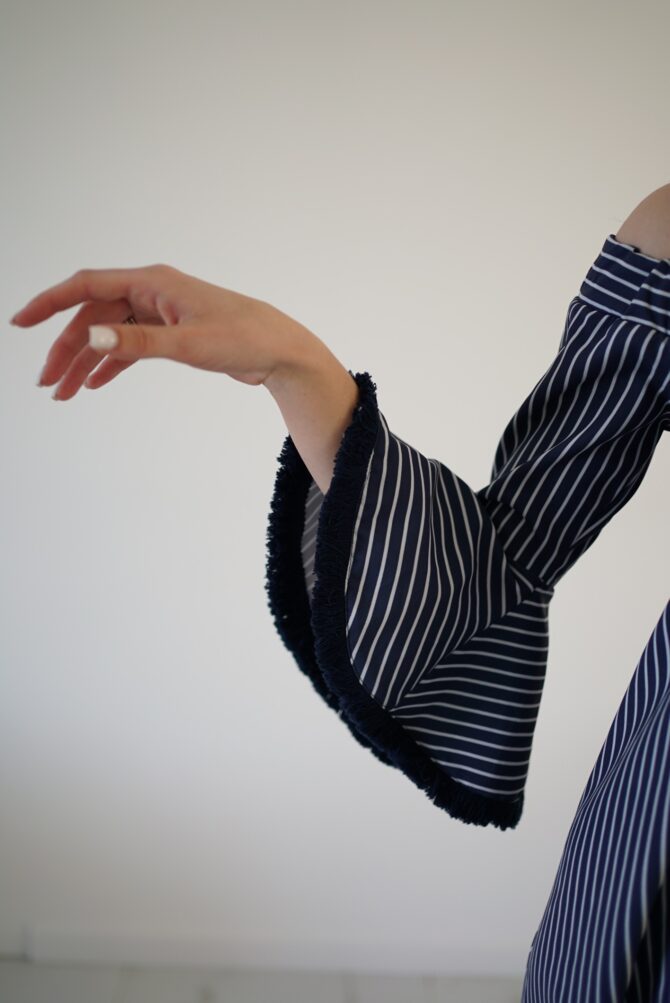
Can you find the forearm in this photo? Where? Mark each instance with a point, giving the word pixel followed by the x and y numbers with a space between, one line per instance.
pixel 316 396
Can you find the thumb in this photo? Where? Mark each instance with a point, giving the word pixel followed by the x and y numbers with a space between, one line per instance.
pixel 134 341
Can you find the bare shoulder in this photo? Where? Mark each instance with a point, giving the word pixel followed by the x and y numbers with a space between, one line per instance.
pixel 648 226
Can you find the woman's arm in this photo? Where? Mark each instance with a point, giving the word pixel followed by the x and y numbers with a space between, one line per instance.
pixel 316 396
pixel 183 318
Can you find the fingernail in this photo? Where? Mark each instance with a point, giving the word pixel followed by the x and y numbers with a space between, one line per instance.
pixel 102 338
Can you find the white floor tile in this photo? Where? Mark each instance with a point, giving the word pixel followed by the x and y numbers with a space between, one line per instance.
pixel 181 986
pixel 167 985
pixel 27 983
pixel 386 989
pixel 284 987
pixel 22 982
pixel 471 990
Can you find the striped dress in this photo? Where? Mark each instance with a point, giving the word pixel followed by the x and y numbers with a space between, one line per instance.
pixel 418 608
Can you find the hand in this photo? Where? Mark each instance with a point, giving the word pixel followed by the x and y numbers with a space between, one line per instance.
pixel 178 317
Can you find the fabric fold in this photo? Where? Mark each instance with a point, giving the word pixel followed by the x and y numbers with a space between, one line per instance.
pixel 417 606
pixel 386 590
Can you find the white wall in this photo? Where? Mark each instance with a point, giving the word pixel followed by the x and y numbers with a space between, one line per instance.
pixel 171 787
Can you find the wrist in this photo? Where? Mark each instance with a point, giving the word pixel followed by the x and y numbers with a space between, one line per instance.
pixel 298 353
pixel 317 397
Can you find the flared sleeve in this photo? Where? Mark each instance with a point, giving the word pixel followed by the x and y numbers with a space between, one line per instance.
pixel 418 606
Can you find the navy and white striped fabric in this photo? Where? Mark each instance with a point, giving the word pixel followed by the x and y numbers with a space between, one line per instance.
pixel 605 932
pixel 419 609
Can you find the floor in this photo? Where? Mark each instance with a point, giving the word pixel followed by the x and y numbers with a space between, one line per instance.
pixel 23 982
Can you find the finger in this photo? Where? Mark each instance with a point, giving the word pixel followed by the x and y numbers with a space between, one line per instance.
pixel 79 372
pixel 140 341
pixel 106 371
pixel 74 338
pixel 88 284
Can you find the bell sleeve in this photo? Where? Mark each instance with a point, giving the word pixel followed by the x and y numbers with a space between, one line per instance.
pixel 418 606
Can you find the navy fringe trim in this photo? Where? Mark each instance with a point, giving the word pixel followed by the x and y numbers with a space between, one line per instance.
pixel 316 636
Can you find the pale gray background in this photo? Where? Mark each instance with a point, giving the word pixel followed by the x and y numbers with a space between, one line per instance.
pixel 423 185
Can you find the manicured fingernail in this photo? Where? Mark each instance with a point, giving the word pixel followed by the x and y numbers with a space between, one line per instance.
pixel 102 338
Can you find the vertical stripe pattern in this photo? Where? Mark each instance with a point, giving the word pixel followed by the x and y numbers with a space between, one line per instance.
pixel 604 935
pixel 419 607
pixel 605 931
pixel 448 589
